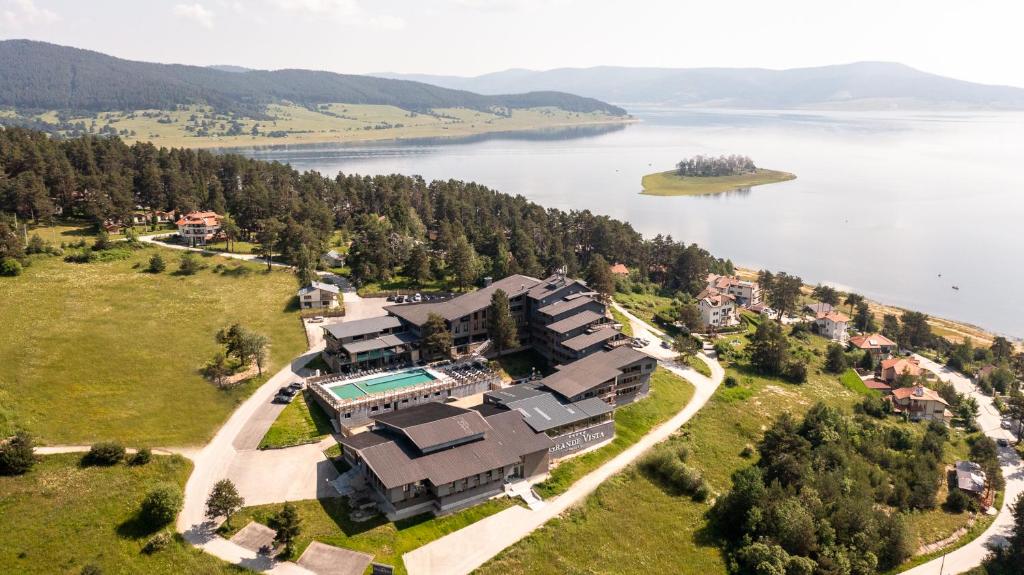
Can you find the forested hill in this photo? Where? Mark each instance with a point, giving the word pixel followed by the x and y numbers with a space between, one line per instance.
pixel 42 76
pixel 860 85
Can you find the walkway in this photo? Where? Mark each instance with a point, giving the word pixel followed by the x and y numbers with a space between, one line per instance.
pixel 152 239
pixel 467 549
pixel 972 554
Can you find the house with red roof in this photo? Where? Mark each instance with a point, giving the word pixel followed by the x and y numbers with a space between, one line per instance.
pixel 920 404
pixel 832 324
pixel 744 293
pixel 199 228
pixel 619 269
pixel 716 309
pixel 894 367
pixel 876 344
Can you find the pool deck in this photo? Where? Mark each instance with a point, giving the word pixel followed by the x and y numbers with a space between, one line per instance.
pixel 378 383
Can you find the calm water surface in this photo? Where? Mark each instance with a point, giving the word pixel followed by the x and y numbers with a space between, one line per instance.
pixel 882 204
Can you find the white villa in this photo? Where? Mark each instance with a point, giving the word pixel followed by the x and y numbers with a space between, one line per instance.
pixel 746 293
pixel 318 295
pixel 833 325
pixel 333 259
pixel 198 228
pixel 717 309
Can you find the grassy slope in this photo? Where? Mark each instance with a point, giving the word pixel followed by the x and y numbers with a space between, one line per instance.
pixel 108 351
pixel 327 521
pixel 61 516
pixel 300 422
pixel 338 123
pixel 669 394
pixel 664 532
pixel 669 184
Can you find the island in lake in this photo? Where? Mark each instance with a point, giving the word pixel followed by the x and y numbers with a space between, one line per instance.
pixel 702 175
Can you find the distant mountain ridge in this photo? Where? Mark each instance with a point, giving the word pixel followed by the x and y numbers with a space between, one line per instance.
pixel 43 76
pixel 863 85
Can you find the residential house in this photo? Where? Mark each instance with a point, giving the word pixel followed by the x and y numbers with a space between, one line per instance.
pixel 716 309
pixel 876 344
pixel 817 308
pixel 970 478
pixel 619 270
pixel 746 293
pixel 832 325
pixel 319 295
pixel 892 368
pixel 199 228
pixel 333 259
pixel 920 403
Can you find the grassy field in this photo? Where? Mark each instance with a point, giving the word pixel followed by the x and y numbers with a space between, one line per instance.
pixel 107 351
pixel 669 394
pixel 698 365
pixel 666 532
pixel 620 318
pixel 200 127
pixel 61 516
pixel 643 306
pixel 669 184
pixel 854 383
pixel 520 364
pixel 327 521
pixel 299 423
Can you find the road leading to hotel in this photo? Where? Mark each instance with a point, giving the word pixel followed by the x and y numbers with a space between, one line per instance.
pixel 463 551
pixel 972 554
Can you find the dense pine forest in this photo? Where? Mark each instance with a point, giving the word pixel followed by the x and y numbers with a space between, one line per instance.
pixel 396 223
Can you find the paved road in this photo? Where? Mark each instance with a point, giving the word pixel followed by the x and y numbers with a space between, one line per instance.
pixel 465 550
pixel 972 554
pixel 246 257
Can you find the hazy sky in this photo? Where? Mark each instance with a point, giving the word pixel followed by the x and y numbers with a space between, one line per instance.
pixel 978 40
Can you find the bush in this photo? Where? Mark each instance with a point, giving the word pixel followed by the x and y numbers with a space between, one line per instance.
pixel 189 264
pixel 105 453
pixel 161 505
pixel 16 455
pixel 730 381
pixel 157 264
pixel 795 372
pixel 91 569
pixel 158 542
pixel 748 451
pixel 957 502
pixel 142 456
pixel 10 267
pixel 671 470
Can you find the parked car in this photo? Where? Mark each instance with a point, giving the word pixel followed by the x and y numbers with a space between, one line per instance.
pixel 417 298
pixel 297 385
pixel 1002 442
pixel 285 395
pixel 391 298
pixel 666 344
pixel 316 319
pixel 1005 424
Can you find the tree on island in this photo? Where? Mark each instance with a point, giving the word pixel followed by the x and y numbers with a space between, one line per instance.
pixel 500 325
pixel 710 167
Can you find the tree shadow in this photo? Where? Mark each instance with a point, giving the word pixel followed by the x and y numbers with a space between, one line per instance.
pixel 292 305
pixel 136 527
pixel 337 508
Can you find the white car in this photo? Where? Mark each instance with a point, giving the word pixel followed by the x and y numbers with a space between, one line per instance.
pixel 316 319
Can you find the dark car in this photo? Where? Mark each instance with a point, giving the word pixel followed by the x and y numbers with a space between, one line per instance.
pixel 1002 442
pixel 296 385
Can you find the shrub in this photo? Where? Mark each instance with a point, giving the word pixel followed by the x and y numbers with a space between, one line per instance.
pixel 142 456
pixel 16 455
pixel 161 505
pixel 105 453
pixel 157 264
pixel 80 256
pixel 157 542
pixel 957 501
pixel 795 372
pixel 10 267
pixel 748 451
pixel 730 381
pixel 91 569
pixel 189 264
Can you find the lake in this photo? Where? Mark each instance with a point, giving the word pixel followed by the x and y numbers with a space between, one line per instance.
pixel 898 206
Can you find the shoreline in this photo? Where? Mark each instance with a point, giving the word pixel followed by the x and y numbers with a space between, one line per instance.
pixel 363 137
pixel 952 329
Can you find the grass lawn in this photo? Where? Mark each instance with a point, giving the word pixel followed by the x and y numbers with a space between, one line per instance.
pixel 854 383
pixel 520 364
pixel 327 521
pixel 300 422
pixel 61 516
pixel 669 184
pixel 620 318
pixel 643 306
pixel 669 394
pixel 108 351
pixel 238 247
pixel 698 365
pixel 400 283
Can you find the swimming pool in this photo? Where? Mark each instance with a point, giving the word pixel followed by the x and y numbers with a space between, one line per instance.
pixel 381 383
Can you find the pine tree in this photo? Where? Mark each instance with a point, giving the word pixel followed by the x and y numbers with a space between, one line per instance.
pixel 287 526
pixel 500 326
pixel 463 262
pixel 418 265
pixel 437 339
pixel 599 277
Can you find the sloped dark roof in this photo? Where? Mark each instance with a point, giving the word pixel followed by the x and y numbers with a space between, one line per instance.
pixel 564 305
pixel 383 342
pixel 583 341
pixel 577 321
pixel 466 304
pixel 434 425
pixel 362 326
pixel 585 374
